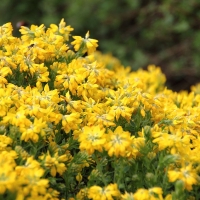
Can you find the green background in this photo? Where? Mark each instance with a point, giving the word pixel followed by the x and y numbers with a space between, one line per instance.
pixel 138 32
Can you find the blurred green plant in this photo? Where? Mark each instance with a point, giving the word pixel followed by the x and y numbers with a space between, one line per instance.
pixel 164 33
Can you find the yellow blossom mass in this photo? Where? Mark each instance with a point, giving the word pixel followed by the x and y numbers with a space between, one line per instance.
pixel 76 124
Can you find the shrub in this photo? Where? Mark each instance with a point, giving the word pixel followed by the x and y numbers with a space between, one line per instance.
pixel 76 124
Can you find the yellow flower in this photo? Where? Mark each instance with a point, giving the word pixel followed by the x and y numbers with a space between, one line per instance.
pixel 5 142
pixel 168 197
pixel 51 194
pixel 18 119
pixel 106 193
pixel 117 142
pixel 135 146
pixel 154 193
pixel 6 30
pixel 96 70
pixel 32 182
pixel 79 177
pixel 89 45
pixel 89 89
pixel 33 131
pixel 8 174
pixel 4 71
pixel 73 106
pixel 70 76
pixel 5 101
pixel 92 138
pixel 99 115
pixel 71 121
pixel 41 73
pixel 187 174
pixel 8 179
pixel 141 194
pixel 29 179
pixel 142 112
pixel 55 164
pixel 61 29
pixel 121 110
pixel 8 158
pixel 127 196
pixel 119 104
pixel 176 142
pixel 51 96
pixel 30 34
pixel 82 194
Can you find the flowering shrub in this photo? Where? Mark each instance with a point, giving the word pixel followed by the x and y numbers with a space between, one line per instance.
pixel 76 124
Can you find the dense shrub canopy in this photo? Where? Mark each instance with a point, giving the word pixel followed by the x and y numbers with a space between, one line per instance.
pixel 75 124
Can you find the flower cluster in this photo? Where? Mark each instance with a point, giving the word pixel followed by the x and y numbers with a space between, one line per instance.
pixel 76 124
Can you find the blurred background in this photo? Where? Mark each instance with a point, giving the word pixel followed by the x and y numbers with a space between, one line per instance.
pixel 138 32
